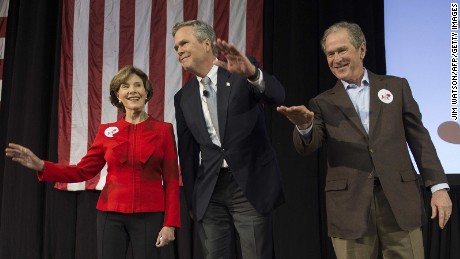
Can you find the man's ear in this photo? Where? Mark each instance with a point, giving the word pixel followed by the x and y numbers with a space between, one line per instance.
pixel 207 43
pixel 362 50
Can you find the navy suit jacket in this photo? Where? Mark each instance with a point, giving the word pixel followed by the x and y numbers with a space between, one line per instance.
pixel 245 142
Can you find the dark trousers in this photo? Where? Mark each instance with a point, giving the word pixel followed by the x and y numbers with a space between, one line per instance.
pixel 116 230
pixel 228 210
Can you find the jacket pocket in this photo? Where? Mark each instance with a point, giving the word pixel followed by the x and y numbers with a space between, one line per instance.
pixel 408 176
pixel 336 185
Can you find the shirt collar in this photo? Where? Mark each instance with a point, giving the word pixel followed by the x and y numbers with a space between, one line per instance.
pixel 212 74
pixel 364 81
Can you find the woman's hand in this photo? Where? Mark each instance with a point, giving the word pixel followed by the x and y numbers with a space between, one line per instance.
pixel 24 156
pixel 165 236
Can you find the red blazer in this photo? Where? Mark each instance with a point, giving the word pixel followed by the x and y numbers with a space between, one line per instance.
pixel 142 168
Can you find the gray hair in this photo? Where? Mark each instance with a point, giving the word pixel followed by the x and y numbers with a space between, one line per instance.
pixel 201 30
pixel 354 31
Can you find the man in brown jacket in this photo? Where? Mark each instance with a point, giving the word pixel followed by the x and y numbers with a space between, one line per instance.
pixel 367 120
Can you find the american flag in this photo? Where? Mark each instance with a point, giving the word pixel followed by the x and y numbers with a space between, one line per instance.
pixel 3 16
pixel 100 37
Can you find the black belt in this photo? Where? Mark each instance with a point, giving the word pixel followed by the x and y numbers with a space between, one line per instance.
pixel 376 181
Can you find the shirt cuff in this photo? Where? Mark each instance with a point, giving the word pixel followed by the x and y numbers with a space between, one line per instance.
pixel 305 133
pixel 259 84
pixel 439 186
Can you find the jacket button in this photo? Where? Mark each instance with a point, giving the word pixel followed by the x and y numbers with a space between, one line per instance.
pixel 371 150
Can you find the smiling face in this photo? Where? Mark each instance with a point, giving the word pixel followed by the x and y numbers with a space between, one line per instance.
pixel 343 58
pixel 194 56
pixel 132 94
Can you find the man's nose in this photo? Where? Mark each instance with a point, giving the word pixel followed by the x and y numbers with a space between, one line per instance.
pixel 337 57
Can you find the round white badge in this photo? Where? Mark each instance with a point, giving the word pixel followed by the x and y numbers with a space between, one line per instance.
pixel 385 96
pixel 110 131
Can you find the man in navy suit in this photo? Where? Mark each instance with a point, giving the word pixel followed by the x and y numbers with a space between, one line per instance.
pixel 230 171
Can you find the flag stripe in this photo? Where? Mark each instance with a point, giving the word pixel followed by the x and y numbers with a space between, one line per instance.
pixel 206 11
pixel 95 41
pixel 237 18
pixel 110 56
pixel 2 56
pixel 3 27
pixel 79 133
pixel 4 8
pixel 174 73
pixel 65 83
pixel 190 13
pixel 65 86
pixel 1 73
pixel 221 13
pixel 142 35
pixel 126 37
pixel 254 30
pixel 157 59
pixel 3 20
pixel 95 74
pixel 190 10
pixel 126 50
pixel 112 34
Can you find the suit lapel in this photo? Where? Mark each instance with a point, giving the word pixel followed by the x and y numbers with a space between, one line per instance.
pixel 223 94
pixel 375 105
pixel 343 102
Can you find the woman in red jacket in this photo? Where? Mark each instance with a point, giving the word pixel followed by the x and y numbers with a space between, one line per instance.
pixel 140 200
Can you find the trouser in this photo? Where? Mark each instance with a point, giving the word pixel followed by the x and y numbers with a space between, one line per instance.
pixel 229 209
pixel 116 230
pixel 384 232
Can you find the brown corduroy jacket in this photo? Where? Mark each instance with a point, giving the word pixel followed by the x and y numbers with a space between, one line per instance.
pixel 354 157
